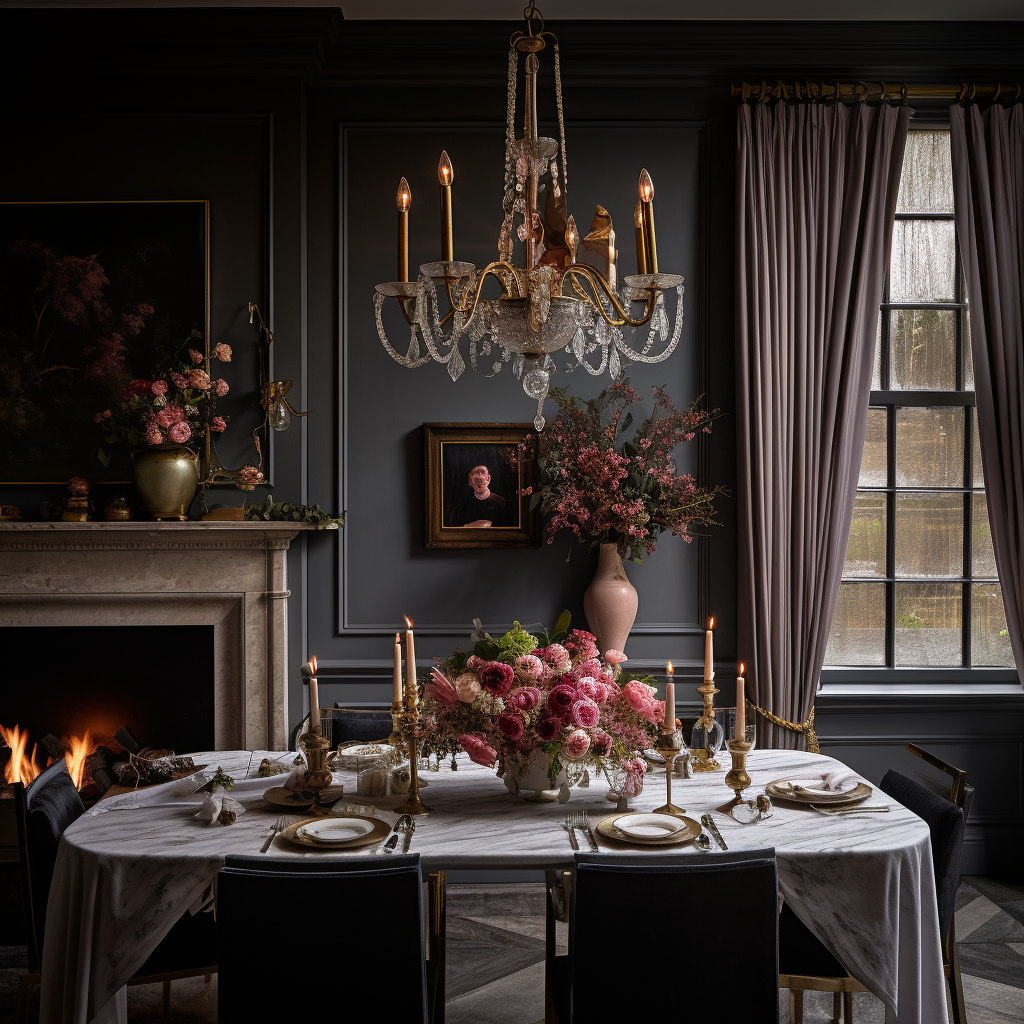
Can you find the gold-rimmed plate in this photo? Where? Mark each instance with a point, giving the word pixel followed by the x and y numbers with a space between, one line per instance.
pixel 280 796
pixel 796 791
pixel 688 831
pixel 379 831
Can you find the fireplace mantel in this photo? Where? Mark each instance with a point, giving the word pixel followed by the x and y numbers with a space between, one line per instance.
pixel 229 575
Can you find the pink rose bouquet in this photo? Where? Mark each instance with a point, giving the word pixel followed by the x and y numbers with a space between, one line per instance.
pixel 520 694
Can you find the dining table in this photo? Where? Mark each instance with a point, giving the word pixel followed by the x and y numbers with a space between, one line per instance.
pixel 134 863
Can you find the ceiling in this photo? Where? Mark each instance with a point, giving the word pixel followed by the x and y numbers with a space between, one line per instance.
pixel 597 10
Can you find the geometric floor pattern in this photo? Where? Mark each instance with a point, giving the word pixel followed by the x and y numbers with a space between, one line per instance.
pixel 495 964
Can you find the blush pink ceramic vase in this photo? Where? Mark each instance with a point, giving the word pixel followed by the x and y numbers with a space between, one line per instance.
pixel 610 602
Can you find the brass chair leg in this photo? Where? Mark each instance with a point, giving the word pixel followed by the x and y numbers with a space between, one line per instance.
pixel 24 1005
pixel 167 1003
pixel 796 1005
pixel 837 1007
pixel 848 1008
pixel 550 1014
pixel 437 888
pixel 956 983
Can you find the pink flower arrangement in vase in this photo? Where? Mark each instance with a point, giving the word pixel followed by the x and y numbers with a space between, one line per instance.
pixel 175 407
pixel 540 708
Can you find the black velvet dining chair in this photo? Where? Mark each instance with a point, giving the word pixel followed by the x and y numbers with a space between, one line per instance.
pixel 669 904
pixel 354 724
pixel 44 810
pixel 367 911
pixel 805 964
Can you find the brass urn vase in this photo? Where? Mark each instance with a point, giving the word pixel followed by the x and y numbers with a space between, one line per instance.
pixel 166 477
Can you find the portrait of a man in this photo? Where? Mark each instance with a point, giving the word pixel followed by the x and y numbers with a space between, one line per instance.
pixel 480 507
pixel 481 485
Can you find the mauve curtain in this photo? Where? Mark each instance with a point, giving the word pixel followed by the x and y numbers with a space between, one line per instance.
pixel 988 197
pixel 816 191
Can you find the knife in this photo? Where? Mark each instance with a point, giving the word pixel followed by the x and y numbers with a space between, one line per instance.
pixel 407 836
pixel 709 823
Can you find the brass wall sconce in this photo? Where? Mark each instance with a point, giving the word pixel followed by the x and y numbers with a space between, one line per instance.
pixel 278 411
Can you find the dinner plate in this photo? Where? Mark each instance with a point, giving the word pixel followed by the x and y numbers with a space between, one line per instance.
pixel 782 789
pixel 379 831
pixel 649 826
pixel 335 830
pixel 688 830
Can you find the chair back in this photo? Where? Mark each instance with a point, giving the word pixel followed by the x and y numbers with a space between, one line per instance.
pixel 945 823
pixel 350 724
pixel 371 908
pixel 955 789
pixel 681 904
pixel 43 809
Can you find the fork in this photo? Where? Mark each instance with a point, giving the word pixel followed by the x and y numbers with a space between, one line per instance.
pixel 570 826
pixel 583 824
pixel 278 827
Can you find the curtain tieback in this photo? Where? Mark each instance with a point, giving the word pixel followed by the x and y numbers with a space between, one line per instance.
pixel 807 728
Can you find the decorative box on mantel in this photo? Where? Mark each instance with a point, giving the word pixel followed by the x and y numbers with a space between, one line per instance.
pixel 229 575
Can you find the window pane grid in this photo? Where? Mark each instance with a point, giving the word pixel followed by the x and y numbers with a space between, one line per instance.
pixel 934 600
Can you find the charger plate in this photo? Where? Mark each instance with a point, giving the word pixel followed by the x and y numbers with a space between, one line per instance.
pixel 379 831
pixel 280 796
pixel 781 789
pixel 689 830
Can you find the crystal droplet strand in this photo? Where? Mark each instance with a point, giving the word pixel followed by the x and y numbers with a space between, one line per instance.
pixel 561 122
pixel 505 239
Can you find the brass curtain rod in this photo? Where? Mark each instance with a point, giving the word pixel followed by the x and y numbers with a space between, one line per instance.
pixel 874 92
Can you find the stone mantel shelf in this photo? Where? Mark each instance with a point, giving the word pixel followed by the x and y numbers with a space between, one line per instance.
pixel 231 575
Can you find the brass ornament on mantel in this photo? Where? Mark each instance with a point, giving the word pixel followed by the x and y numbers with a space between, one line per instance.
pixel 547 302
pixel 117 511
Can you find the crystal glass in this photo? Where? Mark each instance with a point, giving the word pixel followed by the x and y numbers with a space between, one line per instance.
pixel 709 735
pixel 757 808
pixel 727 716
pixel 857 636
pixel 929 534
pixel 865 550
pixel 928 624
pixel 327 725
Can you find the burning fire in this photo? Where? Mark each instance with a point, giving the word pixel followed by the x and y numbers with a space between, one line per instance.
pixel 22 767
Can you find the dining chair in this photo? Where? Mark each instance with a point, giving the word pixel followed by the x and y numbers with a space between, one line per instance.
pixel 806 964
pixel 685 902
pixel 43 810
pixel 352 724
pixel 368 910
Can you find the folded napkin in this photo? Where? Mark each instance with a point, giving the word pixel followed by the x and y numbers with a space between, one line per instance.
pixel 182 793
pixel 216 802
pixel 296 779
pixel 841 781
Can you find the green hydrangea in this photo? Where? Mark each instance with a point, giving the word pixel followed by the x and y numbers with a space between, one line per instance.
pixel 516 642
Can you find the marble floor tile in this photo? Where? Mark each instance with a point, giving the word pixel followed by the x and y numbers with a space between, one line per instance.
pixel 1017 947
pixel 994 961
pixel 984 994
pixel 998 928
pixel 973 916
pixel 514 999
pixel 479 954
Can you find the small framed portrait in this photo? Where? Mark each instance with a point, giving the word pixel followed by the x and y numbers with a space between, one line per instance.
pixel 480 478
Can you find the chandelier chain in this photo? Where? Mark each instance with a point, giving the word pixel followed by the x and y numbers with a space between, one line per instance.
pixel 561 121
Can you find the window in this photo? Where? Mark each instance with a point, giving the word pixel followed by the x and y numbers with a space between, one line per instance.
pixel 919 587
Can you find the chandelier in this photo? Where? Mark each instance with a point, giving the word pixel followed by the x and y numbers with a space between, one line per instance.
pixel 548 302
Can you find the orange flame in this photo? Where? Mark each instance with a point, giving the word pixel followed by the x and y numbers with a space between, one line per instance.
pixel 742 667
pixel 711 622
pixel 19 768
pixel 77 749
pixel 669 670
pixel 312 664
pixel 408 622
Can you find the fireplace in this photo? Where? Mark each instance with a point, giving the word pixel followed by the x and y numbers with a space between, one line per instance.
pixel 227 579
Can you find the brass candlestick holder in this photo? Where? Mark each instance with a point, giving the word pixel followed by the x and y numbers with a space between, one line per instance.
pixel 708 732
pixel 405 720
pixel 737 778
pixel 317 776
pixel 670 746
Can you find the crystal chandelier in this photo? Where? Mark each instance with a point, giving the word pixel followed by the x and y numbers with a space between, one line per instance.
pixel 549 301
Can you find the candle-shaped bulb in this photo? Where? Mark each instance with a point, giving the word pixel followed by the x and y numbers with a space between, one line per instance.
pixel 646 187
pixel 571 238
pixel 445 172
pixel 404 197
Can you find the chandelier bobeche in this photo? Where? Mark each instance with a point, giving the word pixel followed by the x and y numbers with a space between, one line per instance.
pixel 549 302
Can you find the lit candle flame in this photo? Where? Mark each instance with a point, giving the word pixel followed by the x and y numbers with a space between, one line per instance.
pixel 711 622
pixel 312 665
pixel 646 186
pixel 742 668
pixel 669 670
pixel 404 198
pixel 398 638
pixel 408 622
pixel 445 171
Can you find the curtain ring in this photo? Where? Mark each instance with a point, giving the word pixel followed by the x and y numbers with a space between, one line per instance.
pixel 962 94
pixel 999 89
pixel 974 92
pixel 904 92
pixel 1017 94
pixel 764 92
pixel 860 90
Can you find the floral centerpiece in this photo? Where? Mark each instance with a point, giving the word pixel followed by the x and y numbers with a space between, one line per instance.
pixel 608 489
pixel 520 699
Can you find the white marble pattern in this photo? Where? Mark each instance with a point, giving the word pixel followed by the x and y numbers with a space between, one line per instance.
pixel 863 885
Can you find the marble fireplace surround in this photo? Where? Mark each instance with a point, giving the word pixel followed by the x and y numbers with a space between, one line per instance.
pixel 229 575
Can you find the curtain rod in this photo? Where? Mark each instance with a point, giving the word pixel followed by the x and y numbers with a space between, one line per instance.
pixel 875 92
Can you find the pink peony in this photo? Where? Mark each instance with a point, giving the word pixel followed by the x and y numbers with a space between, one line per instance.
pixel 636 695
pixel 467 686
pixel 180 433
pixel 524 698
pixel 529 667
pixel 590 667
pixel 199 379
pixel 575 745
pixel 137 387
pixel 614 657
pixel 611 691
pixel 78 486
pixel 221 387
pixel 655 712
pixel 555 656
pixel 180 379
pixel 158 387
pixel 223 353
pixel 582 645
pixel 479 750
pixel 510 726
pixel 548 728
pixel 591 688
pixel 602 743
pixel 585 713
pixel 154 435
pixel 561 699
pixel 197 357
pixel 98 418
pixel 250 475
pixel 218 425
pixel 169 415
pixel 474 664
pixel 496 677
pixel 440 690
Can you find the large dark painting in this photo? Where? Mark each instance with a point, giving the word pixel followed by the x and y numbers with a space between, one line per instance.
pixel 91 296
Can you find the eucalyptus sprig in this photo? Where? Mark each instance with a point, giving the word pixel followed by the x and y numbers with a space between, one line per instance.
pixel 290 512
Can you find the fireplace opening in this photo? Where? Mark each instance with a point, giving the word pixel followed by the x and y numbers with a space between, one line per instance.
pixel 69 689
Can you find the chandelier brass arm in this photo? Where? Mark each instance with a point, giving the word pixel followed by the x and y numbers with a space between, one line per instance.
pixel 625 320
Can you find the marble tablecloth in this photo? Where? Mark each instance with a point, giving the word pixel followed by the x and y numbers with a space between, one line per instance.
pixel 863 885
